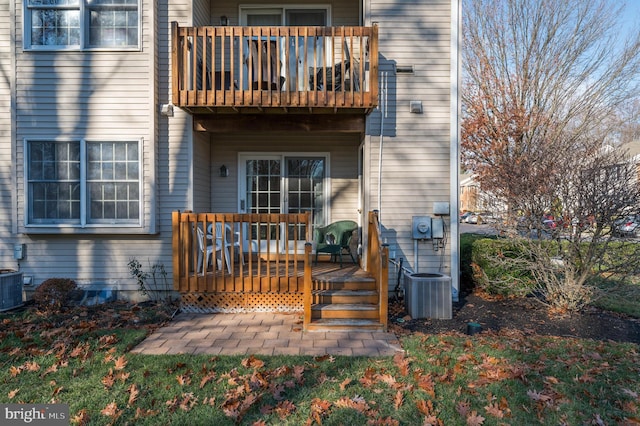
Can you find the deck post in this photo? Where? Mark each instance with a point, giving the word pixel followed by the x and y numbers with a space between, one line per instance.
pixel 383 280
pixel 176 248
pixel 307 286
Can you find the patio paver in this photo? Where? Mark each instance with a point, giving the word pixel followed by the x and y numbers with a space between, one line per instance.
pixel 260 334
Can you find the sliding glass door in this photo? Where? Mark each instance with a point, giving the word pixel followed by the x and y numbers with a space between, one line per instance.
pixel 283 184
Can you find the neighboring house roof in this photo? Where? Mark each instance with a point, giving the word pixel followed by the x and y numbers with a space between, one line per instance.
pixel 634 150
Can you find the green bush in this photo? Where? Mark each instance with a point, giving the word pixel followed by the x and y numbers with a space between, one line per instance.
pixel 54 293
pixel 466 249
pixel 496 270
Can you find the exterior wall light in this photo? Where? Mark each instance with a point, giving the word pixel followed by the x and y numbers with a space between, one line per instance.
pixel 224 172
pixel 224 21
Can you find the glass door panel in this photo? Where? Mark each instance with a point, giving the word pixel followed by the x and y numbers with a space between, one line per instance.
pixel 305 188
pixel 263 194
pixel 275 184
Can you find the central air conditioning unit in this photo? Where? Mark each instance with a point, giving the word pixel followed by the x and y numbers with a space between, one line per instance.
pixel 428 295
pixel 10 289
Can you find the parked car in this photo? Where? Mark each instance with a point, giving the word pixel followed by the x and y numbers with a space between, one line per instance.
pixel 481 217
pixel 627 227
pixel 465 216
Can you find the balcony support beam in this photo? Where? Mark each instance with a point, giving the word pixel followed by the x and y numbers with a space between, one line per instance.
pixel 325 123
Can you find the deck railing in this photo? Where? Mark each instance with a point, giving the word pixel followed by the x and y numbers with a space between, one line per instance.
pixel 378 265
pixel 260 67
pixel 240 253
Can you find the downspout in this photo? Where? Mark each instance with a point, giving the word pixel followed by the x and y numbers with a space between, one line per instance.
pixel 383 114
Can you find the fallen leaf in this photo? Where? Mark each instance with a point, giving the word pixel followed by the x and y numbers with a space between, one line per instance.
pixel 284 409
pixel 357 403
pixel 188 401
pixel 183 380
pixel 402 363
pixel 14 371
pixel 252 362
pixel 207 378
pixel 387 421
pixel 52 369
pixel 298 372
pixel 133 394
pixel 398 400
pixel 425 407
pixel 81 418
pixel 141 413
pixel 344 383
pixel 108 381
pixel 13 393
pixel 120 363
pixel 111 410
pixel 474 419
pixel 494 410
pixel 463 408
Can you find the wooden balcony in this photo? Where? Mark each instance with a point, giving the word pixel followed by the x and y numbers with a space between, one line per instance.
pixel 308 70
pixel 263 262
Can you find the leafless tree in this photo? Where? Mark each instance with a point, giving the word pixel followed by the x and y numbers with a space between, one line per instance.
pixel 546 95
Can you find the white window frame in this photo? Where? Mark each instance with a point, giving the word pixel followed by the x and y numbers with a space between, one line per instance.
pixel 282 157
pixel 83 220
pixel 245 9
pixel 84 10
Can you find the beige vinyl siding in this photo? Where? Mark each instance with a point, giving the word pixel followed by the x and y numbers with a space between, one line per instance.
pixel 93 95
pixel 343 161
pixel 176 139
pixel 6 125
pixel 416 150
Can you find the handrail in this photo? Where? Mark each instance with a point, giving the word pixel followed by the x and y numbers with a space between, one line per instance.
pixel 307 295
pixel 257 246
pixel 378 265
pixel 335 67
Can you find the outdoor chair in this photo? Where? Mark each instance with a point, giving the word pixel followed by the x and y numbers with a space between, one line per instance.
pixel 336 239
pixel 206 248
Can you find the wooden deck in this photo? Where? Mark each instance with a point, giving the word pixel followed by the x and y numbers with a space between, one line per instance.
pixel 247 274
pixel 306 70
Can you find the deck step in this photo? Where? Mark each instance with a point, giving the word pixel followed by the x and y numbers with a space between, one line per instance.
pixel 345 285
pixel 344 296
pixel 344 325
pixel 352 311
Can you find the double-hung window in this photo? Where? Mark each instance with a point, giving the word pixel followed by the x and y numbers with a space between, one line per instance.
pixel 83 183
pixel 82 24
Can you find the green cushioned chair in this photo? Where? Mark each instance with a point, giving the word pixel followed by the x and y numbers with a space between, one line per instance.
pixel 335 239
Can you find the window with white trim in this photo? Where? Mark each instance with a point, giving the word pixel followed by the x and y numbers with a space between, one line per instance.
pixel 81 24
pixel 291 15
pixel 83 183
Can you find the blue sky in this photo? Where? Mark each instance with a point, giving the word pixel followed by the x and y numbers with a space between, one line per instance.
pixel 631 13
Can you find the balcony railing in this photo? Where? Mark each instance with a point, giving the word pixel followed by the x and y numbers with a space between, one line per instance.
pixel 378 265
pixel 240 253
pixel 328 68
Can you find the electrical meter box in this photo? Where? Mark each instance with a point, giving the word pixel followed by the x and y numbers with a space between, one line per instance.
pixel 421 228
pixel 437 228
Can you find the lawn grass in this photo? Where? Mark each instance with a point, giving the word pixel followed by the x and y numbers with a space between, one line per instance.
pixel 620 296
pixel 489 379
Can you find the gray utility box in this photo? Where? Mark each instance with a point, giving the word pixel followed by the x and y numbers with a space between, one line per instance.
pixel 428 295
pixel 10 289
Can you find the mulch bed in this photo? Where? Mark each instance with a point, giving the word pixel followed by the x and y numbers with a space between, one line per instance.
pixel 526 315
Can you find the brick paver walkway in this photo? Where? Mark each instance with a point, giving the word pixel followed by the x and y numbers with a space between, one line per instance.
pixel 261 334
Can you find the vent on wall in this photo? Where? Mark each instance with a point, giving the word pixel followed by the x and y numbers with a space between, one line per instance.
pixel 404 69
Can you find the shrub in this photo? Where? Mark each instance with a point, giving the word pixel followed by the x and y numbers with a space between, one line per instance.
pixel 466 251
pixel 500 267
pixel 54 293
